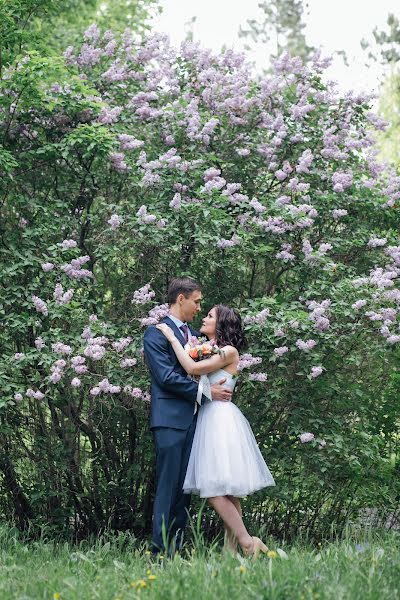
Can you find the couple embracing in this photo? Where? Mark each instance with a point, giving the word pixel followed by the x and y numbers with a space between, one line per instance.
pixel 204 444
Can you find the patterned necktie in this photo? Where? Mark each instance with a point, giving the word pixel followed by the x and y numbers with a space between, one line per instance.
pixel 185 330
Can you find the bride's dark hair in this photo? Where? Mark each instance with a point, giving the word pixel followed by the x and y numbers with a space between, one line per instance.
pixel 229 328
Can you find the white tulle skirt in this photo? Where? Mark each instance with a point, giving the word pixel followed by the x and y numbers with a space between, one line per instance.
pixel 225 459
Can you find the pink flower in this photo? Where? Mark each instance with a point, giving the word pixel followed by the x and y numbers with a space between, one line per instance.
pixel 19 355
pixel 75 382
pixel 18 397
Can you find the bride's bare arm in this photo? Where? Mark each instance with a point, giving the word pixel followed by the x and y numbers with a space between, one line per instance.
pixel 228 356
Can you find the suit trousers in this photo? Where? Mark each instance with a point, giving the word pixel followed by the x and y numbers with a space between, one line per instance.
pixel 173 448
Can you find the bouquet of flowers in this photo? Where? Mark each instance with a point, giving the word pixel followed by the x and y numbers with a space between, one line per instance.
pixel 201 348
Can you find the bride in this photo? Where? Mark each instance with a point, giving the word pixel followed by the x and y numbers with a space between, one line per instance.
pixel 225 463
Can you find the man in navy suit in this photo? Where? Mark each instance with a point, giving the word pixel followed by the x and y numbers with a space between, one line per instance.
pixel 173 413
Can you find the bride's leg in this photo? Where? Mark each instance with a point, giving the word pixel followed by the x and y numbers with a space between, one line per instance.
pixel 233 521
pixel 230 541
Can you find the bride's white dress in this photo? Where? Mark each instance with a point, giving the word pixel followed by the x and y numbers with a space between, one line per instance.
pixel 225 459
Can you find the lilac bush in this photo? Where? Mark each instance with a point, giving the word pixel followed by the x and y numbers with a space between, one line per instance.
pixel 132 162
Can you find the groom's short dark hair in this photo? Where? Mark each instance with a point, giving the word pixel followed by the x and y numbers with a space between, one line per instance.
pixel 182 285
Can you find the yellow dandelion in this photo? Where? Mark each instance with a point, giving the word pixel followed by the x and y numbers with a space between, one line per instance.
pixel 147 552
pixel 56 596
pixel 161 557
pixel 242 569
pixel 272 554
pixel 152 577
pixel 148 572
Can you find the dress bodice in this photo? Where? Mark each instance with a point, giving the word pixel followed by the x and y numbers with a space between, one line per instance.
pixel 222 374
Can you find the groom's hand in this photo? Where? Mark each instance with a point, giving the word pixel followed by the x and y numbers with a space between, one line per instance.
pixel 220 393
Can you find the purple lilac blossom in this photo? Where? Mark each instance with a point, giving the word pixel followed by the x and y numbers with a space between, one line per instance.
pixel 247 360
pixel 376 242
pixel 48 266
pixel 40 305
pixel 121 344
pixel 128 362
pixel 234 241
pixel 316 371
pixel 68 244
pixel 93 351
pixel 358 304
pixel 39 343
pixel 306 346
pixel 61 348
pixel 143 295
pixel 114 221
pixel 259 318
pixel 339 212
pixel 261 377
pixel 281 350
pixel 306 437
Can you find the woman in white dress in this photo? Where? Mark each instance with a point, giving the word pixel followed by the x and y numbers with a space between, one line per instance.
pixel 225 462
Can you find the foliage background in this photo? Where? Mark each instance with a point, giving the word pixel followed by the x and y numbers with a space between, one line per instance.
pixel 79 462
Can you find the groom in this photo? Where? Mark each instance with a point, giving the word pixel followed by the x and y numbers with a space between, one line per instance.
pixel 173 415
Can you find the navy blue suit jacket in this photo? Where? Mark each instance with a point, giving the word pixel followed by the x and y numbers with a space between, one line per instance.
pixel 173 393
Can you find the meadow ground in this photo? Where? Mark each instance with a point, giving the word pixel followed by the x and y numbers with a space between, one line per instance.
pixel 365 566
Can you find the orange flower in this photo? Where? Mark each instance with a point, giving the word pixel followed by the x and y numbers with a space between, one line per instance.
pixel 194 353
pixel 206 349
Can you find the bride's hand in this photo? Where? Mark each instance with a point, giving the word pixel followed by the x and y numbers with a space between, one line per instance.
pixel 167 331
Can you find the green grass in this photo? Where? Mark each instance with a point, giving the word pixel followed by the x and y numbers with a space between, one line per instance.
pixel 364 568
